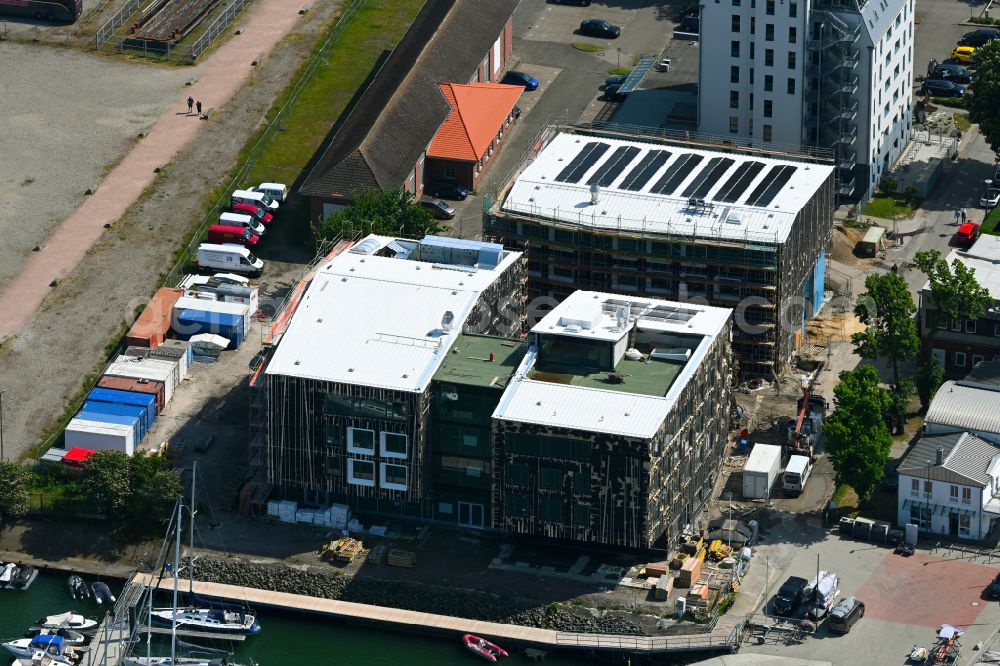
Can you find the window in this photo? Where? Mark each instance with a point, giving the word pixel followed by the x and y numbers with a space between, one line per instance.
pixel 768 108
pixel 393 444
pixel 734 99
pixel 470 440
pixel 449 173
pixel 791 86
pixel 753 49
pixel 921 517
pixel 734 124
pixel 734 49
pixel 956 325
pixel 769 10
pixel 791 60
pixel 751 76
pixel 976 359
pixel 360 440
pixel 360 472
pixel 753 25
pixel 550 508
pixel 793 9
pixel 393 476
pixel 915 487
pixel 965 525
pixel 792 35
pixel 736 3
pixel 581 483
pixel 768 84
pixel 970 326
pixel 550 478
pixel 953 493
pixel 734 74
pixel 960 359
pixel 736 23
pixel 928 488
pixel 581 515
pixel 767 132
pixel 966 495
pixel 768 32
pixel 769 57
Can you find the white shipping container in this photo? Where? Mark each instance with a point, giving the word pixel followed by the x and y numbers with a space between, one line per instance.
pixel 100 436
pixel 204 305
pixel 272 508
pixel 147 368
pixel 304 515
pixel 761 470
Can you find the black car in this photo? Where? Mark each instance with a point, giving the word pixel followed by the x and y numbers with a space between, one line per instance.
pixel 615 80
pixel 993 589
pixel 789 596
pixel 942 88
pixel 978 37
pixel 599 28
pixel 950 72
pixel 446 190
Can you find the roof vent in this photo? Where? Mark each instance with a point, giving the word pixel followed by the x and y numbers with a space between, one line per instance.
pixel 595 194
pixel 447 320
pixel 735 217
pixel 940 456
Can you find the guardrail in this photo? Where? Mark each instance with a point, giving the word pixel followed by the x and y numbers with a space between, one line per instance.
pixel 106 31
pixel 217 27
pixel 682 643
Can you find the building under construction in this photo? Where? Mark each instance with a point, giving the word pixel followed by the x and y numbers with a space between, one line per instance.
pixel 680 218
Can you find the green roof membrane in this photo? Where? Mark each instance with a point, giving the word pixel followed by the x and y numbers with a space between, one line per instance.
pixel 467 362
pixel 652 377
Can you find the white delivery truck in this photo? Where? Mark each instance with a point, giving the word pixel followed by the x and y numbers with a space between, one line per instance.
pixel 277 191
pixel 796 474
pixel 228 257
pixel 240 220
pixel 265 201
pixel 761 471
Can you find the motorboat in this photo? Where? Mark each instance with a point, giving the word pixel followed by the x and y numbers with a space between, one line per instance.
pixel 483 648
pixel 102 593
pixel 78 588
pixel 69 636
pixel 24 576
pixel 216 620
pixel 7 572
pixel 68 620
pixel 26 648
pixel 40 658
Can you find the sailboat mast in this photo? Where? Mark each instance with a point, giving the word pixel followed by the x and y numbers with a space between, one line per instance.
pixel 194 485
pixel 177 563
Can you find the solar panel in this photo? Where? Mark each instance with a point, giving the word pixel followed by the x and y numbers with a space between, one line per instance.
pixel 638 73
pixel 739 181
pixel 614 166
pixel 709 176
pixel 643 171
pixel 676 173
pixel 775 179
pixel 585 159
pixel 762 185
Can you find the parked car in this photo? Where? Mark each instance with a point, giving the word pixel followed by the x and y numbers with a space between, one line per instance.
pixel 228 257
pixel 277 191
pixel 993 589
pixel 990 198
pixel 253 210
pixel 515 78
pixel 615 80
pixel 963 54
pixel 255 198
pixel 612 93
pixel 578 3
pixel 446 190
pixel 789 596
pixel 241 220
pixel 942 88
pixel 978 37
pixel 220 234
pixel 663 65
pixel 845 614
pixel 438 208
pixel 689 24
pixel 951 72
pixel 600 28
pixel 967 234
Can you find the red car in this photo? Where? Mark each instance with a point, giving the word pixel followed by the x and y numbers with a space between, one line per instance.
pixel 256 211
pixel 967 234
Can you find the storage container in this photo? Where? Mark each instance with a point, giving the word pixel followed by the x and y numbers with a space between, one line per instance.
pixel 241 310
pixel 196 322
pixel 151 328
pixel 175 350
pixel 126 411
pixel 99 436
pixel 133 422
pixel 131 384
pixel 119 397
pixel 147 368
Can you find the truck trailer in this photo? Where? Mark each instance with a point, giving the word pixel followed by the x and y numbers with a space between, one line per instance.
pixel 761 470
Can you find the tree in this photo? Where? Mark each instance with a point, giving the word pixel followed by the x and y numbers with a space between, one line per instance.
pixel 106 479
pixel 373 211
pixel 153 502
pixel 954 290
pixel 856 435
pixel 982 104
pixel 15 482
pixel 930 376
pixel 888 185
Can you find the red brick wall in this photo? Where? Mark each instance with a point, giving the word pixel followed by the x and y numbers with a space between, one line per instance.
pixel 975 346
pixel 508 40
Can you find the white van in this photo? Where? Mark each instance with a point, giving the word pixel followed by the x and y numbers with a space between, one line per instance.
pixel 265 201
pixel 796 474
pixel 239 220
pixel 228 257
pixel 276 191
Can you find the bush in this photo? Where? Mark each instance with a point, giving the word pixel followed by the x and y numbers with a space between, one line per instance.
pixel 952 102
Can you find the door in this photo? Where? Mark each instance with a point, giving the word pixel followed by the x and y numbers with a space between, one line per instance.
pixel 471 515
pixel 953 524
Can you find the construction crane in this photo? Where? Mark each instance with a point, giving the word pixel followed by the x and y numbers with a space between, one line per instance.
pixel 803 431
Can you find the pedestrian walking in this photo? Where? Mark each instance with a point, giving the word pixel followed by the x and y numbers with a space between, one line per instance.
pixel 190 104
pixel 958 215
pixel 965 216
pixel 198 105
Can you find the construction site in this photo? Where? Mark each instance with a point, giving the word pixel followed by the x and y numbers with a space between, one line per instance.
pixel 676 216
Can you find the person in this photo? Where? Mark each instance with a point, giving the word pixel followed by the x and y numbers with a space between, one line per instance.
pixel 965 216
pixel 198 106
pixel 190 104
pixel 958 215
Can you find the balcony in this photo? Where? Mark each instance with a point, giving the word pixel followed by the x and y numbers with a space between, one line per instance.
pixel 846 187
pixel 847 85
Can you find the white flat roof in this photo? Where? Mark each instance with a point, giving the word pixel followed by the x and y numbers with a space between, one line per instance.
pixel 732 185
pixel 377 321
pixel 984 258
pixel 604 410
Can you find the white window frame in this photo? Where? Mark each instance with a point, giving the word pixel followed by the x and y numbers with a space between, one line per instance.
pixel 392 486
pixel 959 363
pixel 956 325
pixel 966 495
pixel 977 359
pixel 355 449
pixel 966 530
pixel 915 487
pixel 357 481
pixel 970 325
pixel 953 493
pixel 392 454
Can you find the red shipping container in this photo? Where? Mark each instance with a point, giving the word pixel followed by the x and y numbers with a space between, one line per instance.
pixel 152 326
pixel 137 386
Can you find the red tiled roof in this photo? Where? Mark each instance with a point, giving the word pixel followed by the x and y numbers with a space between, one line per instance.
pixel 478 111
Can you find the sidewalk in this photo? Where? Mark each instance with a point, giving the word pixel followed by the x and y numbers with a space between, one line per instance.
pixel 219 77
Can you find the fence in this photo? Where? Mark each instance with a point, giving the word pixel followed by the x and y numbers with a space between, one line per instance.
pixel 682 643
pixel 217 27
pixel 106 31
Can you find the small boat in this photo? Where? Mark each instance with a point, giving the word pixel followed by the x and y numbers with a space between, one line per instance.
pixel 23 577
pixel 68 620
pixel 211 619
pixel 26 648
pixel 483 648
pixel 7 572
pixel 102 593
pixel 78 588
pixel 69 636
pixel 39 658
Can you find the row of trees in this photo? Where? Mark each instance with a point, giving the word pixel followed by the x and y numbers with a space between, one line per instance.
pixel 857 433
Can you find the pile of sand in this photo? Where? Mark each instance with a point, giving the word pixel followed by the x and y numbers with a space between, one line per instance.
pixel 845 239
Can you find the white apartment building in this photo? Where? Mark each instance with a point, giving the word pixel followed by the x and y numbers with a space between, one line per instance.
pixel 823 74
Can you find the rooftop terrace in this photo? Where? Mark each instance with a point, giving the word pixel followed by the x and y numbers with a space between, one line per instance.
pixel 469 362
pixel 647 377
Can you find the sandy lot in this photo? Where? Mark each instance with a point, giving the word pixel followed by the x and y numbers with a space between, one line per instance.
pixel 64 117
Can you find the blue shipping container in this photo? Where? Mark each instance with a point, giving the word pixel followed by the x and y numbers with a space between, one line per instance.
pixel 131 411
pixel 145 400
pixel 230 326
pixel 134 422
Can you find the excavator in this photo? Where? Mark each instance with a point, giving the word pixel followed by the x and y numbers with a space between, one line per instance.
pixel 803 431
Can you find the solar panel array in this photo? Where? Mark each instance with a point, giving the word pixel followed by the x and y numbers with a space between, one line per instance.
pixel 613 167
pixel 586 158
pixel 737 184
pixel 644 170
pixel 676 174
pixel 708 177
pixel 775 179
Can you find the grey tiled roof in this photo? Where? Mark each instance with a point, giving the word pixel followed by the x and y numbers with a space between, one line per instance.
pixel 966 458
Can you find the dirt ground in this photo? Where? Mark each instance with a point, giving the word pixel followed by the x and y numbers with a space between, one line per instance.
pixel 43 366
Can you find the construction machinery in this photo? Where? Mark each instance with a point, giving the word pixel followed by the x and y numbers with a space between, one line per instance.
pixel 805 429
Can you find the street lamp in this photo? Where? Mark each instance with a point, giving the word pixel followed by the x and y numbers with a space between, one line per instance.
pixel 619 57
pixel 728 496
pixel 989 182
pixel 2 456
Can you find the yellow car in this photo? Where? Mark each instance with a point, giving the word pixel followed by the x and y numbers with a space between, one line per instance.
pixel 963 53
